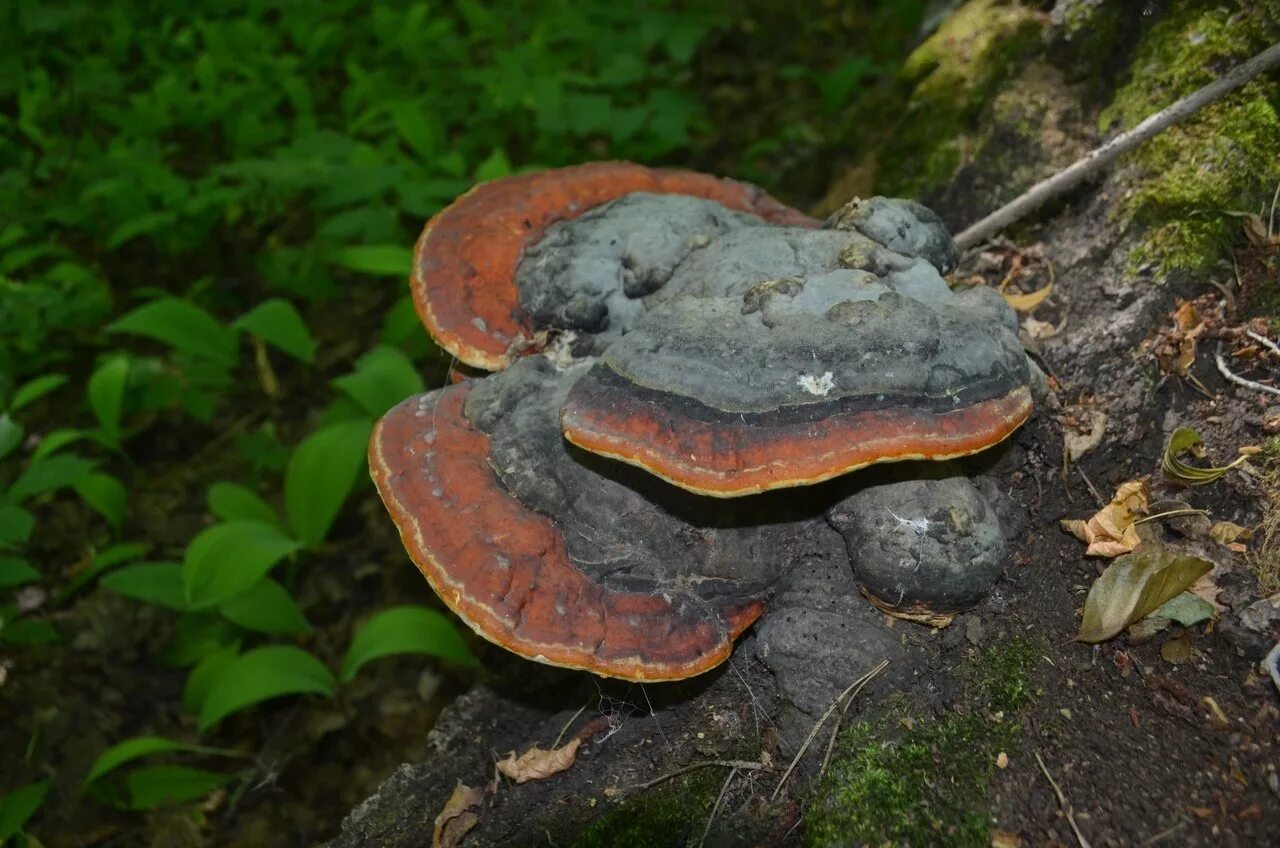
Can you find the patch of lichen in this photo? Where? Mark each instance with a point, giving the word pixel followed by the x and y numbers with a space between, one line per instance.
pixel 657 818
pixel 1224 158
pixel 910 781
pixel 943 87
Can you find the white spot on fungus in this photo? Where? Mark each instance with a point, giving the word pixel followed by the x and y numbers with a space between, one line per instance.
pixel 819 386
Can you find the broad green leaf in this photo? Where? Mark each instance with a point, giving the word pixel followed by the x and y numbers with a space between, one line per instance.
pixel 143 746
pixel 277 323
pixel 104 560
pixel 262 674
pixel 418 128
pixel 226 559
pixel 16 525
pixel 497 165
pixel 106 395
pixel 386 260
pixel 11 434
pixel 33 390
pixel 18 806
pixel 105 494
pixel 266 608
pixel 231 502
pixel 197 685
pixel 157 583
pixel 321 473
pixel 56 440
pixel 197 636
pixel 152 786
pixel 25 632
pixel 181 325
pixel 1186 609
pixel 405 630
pixel 16 571
pixel 50 473
pixel 1135 585
pixel 382 378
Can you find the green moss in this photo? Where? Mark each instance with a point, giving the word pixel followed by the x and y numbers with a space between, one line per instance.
pixel 1226 157
pixel 657 818
pixel 947 80
pixel 929 785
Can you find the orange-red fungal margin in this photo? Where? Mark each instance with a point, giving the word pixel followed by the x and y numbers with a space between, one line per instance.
pixel 736 456
pixel 504 568
pixel 464 264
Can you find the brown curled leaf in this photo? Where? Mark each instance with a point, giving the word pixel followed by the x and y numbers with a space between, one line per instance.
pixel 460 813
pixel 539 763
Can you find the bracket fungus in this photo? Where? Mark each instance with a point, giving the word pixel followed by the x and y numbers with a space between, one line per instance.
pixel 721 346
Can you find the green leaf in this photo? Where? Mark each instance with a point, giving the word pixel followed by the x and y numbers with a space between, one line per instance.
pixel 277 323
pixel 227 559
pixel 418 128
pixel 385 260
pixel 382 378
pixel 231 502
pixel 1185 439
pixel 197 685
pixel 1186 609
pixel 261 674
pixel 17 807
pixel 143 746
pixel 497 165
pixel 405 630
pixel 1134 585
pixel 56 440
pixel 102 561
pixel 197 636
pixel 105 494
pixel 181 325
pixel 25 632
pixel 16 571
pixel 152 786
pixel 50 473
pixel 106 395
pixel 320 475
pixel 11 434
pixel 157 583
pixel 33 390
pixel 16 525
pixel 266 608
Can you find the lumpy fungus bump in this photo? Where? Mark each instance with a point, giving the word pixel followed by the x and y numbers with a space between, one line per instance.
pixel 670 348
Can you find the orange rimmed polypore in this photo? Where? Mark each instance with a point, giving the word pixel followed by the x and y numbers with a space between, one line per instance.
pixel 464 267
pixel 504 569
pixel 732 455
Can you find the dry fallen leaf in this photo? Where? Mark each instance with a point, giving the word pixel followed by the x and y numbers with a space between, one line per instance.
pixel 459 815
pixel 539 763
pixel 1135 585
pixel 1178 649
pixel 1111 532
pixel 1005 839
pixel 1226 533
pixel 1029 301
pixel 1082 431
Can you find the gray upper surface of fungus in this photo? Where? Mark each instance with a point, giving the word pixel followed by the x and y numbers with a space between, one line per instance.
pixel 591 273
pixel 901 225
pixel 623 527
pixel 932 540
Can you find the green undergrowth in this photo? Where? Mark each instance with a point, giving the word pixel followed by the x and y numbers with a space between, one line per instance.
pixel 1225 158
pixel 943 87
pixel 909 780
pixel 671 814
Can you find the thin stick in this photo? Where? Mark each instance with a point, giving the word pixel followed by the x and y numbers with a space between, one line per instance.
pixel 1236 378
pixel 716 806
pixel 1103 156
pixel 1264 341
pixel 1271 221
pixel 1169 513
pixel 569 723
pixel 1062 801
pixel 744 765
pixel 835 731
pixel 1092 488
pixel 814 732
pixel 1164 834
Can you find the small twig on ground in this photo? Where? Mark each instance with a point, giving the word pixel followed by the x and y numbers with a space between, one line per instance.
pixel 733 772
pixel 568 724
pixel 1170 513
pixel 1264 341
pixel 1163 835
pixel 835 731
pixel 1092 488
pixel 744 765
pixel 1236 378
pixel 1271 221
pixel 1062 801
pixel 1101 157
pixel 653 715
pixel 861 681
